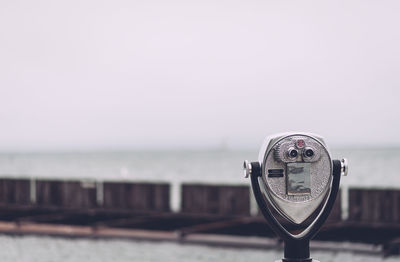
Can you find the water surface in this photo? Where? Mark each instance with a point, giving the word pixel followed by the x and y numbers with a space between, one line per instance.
pixel 43 249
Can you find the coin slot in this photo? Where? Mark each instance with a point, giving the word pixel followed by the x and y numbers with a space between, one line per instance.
pixel 275 172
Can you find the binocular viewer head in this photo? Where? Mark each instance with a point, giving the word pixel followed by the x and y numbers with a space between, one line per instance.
pixel 296 172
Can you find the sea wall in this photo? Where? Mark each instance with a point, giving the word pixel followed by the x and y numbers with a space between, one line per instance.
pixel 364 205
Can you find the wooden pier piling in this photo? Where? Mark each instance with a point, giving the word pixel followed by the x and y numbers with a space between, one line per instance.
pixel 374 205
pixel 67 194
pixel 14 191
pixel 142 210
pixel 137 196
pixel 216 199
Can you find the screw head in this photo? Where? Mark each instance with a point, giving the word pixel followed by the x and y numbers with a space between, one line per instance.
pixel 246 168
pixel 344 167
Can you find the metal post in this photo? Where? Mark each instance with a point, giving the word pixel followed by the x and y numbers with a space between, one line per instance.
pixel 297 251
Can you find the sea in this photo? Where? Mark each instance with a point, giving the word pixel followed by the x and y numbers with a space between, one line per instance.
pixel 377 167
pixel 54 249
pixel 368 168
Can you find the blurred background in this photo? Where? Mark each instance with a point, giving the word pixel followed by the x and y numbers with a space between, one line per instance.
pixel 179 93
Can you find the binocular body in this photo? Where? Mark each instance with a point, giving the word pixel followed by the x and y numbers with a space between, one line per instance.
pixel 297 174
pixel 295 180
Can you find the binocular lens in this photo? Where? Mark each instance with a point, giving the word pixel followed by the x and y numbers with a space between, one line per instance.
pixel 309 152
pixel 293 153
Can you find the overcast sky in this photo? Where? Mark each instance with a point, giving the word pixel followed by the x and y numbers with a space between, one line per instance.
pixel 197 74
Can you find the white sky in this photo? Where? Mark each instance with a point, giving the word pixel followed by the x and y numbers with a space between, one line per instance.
pixel 197 74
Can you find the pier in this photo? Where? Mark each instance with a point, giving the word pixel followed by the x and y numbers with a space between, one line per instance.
pixel 208 214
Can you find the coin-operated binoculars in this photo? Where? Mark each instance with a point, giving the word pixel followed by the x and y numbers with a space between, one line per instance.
pixel 295 183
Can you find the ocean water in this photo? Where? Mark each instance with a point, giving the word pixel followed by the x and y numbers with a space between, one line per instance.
pixel 377 168
pixel 46 249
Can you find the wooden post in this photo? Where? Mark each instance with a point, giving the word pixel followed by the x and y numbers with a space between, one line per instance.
pixel 15 191
pixel 137 196
pixel 70 194
pixel 374 205
pixel 216 199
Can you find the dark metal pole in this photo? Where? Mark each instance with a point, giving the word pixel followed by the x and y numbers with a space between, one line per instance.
pixel 296 251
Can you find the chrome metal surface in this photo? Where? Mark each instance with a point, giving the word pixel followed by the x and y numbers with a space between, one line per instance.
pixel 274 155
pixel 289 153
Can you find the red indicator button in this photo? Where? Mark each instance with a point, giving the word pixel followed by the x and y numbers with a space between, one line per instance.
pixel 300 143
